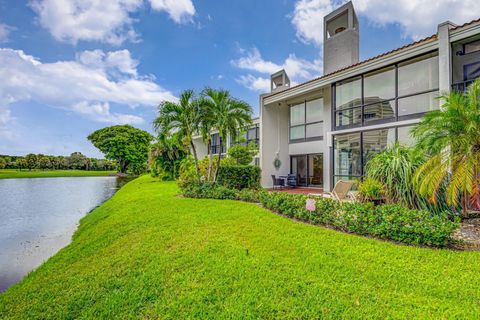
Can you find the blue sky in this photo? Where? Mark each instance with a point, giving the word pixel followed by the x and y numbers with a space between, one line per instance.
pixel 73 66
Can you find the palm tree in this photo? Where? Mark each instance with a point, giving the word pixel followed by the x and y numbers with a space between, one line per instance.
pixel 226 114
pixel 451 138
pixel 183 119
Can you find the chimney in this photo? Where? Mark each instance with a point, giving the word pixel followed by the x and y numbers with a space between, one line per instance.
pixel 279 81
pixel 340 39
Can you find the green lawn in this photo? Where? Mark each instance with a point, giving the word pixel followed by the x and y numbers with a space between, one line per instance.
pixel 13 173
pixel 147 253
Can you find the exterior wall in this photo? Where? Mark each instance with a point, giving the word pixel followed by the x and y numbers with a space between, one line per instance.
pixel 275 112
pixel 202 149
pixel 341 50
pixel 274 137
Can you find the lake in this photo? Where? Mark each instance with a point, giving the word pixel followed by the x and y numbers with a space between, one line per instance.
pixel 39 216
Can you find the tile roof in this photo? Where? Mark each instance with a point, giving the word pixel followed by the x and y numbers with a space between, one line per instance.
pixel 410 45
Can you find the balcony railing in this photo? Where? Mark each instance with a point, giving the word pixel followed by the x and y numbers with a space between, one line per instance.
pixel 462 86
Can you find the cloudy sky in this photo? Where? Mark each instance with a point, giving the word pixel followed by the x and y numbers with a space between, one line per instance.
pixel 69 67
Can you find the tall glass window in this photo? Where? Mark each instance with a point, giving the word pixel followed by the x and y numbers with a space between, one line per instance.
pixel 401 91
pixel 352 151
pixel 306 121
pixel 348 156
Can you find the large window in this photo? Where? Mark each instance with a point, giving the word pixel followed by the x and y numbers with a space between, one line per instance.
pixel 308 169
pixel 249 136
pixel 306 122
pixel 353 150
pixel 216 144
pixel 401 91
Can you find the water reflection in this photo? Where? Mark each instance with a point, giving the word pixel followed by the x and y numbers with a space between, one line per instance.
pixel 38 217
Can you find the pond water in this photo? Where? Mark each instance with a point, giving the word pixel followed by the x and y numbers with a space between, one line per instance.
pixel 39 216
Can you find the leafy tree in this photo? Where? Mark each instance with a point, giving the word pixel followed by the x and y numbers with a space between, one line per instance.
pixel 451 139
pixel 43 161
pixel 21 163
pixel 31 161
pixel 78 161
pixel 165 156
pixel 3 163
pixel 226 114
pixel 243 154
pixel 124 143
pixel 182 118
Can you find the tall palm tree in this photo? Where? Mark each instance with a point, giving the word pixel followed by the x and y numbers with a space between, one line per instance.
pixel 451 138
pixel 182 118
pixel 227 115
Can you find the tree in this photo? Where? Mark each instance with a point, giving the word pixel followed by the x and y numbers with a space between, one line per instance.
pixel 77 161
pixel 124 143
pixel 31 161
pixel 182 119
pixel 451 139
pixel 227 115
pixel 166 155
pixel 243 154
pixel 3 163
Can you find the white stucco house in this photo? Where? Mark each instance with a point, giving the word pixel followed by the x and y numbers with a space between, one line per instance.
pixel 325 129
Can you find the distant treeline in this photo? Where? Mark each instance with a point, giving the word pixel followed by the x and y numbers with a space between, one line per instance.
pixel 76 161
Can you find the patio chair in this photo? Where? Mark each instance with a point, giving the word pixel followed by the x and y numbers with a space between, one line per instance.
pixel 292 180
pixel 341 191
pixel 277 182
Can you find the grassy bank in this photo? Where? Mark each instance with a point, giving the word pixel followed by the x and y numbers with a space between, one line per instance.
pixel 147 253
pixel 13 173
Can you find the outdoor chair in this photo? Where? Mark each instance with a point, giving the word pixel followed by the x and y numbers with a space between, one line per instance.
pixel 277 182
pixel 341 191
pixel 292 180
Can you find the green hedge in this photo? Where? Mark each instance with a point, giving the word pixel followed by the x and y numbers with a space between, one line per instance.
pixel 239 177
pixel 393 222
pixel 209 190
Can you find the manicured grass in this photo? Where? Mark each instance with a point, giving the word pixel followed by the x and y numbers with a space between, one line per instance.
pixel 13 173
pixel 147 253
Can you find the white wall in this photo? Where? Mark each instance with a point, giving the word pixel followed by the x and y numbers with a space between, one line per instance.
pixel 274 141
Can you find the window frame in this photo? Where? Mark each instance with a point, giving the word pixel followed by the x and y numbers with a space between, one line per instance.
pixel 304 124
pixel 395 117
pixel 362 151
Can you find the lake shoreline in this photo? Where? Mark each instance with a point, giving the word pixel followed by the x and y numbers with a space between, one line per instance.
pixel 40 216
pixel 24 174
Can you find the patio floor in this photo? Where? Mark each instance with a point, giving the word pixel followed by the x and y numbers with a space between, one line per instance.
pixel 299 190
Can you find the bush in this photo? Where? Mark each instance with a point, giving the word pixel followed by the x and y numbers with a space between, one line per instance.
pixel 393 222
pixel 239 177
pixel 243 155
pixel 209 190
pixel 371 189
pixel 250 195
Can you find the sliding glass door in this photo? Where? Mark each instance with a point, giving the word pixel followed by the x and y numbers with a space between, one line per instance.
pixel 308 169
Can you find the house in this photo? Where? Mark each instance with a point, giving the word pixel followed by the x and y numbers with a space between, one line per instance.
pixel 326 129
pixel 249 136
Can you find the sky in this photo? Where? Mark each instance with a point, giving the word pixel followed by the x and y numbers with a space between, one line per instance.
pixel 70 67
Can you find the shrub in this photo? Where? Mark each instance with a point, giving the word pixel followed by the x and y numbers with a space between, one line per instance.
pixel 250 195
pixel 239 177
pixel 371 189
pixel 208 190
pixel 393 222
pixel 243 155
pixel 414 226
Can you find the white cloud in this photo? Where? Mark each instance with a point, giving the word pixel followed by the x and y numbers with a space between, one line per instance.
pixel 308 19
pixel 253 83
pixel 416 18
pixel 107 21
pixel 297 69
pixel 87 85
pixel 4 32
pixel 181 11
pixel 100 112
